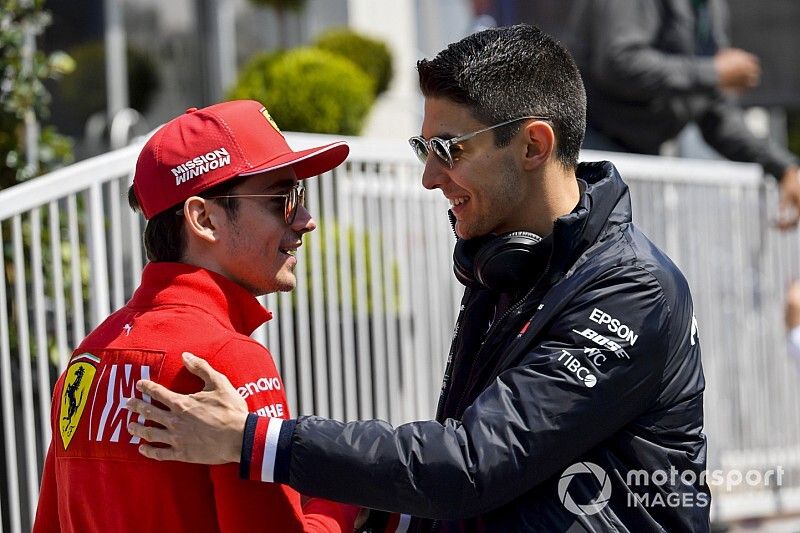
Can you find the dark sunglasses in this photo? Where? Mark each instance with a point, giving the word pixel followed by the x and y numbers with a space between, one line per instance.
pixel 443 147
pixel 293 200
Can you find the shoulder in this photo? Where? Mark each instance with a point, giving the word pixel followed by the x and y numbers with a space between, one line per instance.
pixel 630 254
pixel 250 368
pixel 616 302
pixel 239 355
pixel 651 259
pixel 634 282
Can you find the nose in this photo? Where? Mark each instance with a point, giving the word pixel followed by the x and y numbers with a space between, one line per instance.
pixel 303 222
pixel 434 174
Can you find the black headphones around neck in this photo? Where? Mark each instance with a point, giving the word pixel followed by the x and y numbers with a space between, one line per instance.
pixel 501 263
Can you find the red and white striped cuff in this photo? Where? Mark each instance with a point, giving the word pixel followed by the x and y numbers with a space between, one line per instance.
pixel 260 448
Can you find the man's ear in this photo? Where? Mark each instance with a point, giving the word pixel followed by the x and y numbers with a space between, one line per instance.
pixel 540 143
pixel 200 218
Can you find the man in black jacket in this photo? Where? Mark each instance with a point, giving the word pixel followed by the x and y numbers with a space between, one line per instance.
pixel 572 399
pixel 653 66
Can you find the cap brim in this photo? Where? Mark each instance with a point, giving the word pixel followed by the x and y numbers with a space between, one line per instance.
pixel 306 163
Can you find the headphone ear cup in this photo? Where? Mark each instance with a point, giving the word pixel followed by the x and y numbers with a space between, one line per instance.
pixel 509 261
pixel 464 259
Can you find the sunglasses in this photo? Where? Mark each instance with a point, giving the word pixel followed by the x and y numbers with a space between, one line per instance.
pixel 443 148
pixel 292 200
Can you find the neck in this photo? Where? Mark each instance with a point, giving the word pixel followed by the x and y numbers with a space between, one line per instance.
pixel 557 192
pixel 196 254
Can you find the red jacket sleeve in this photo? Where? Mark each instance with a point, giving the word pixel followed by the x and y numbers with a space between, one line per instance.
pixel 47 510
pixel 245 504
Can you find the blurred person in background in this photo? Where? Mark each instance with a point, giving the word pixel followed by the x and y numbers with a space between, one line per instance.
pixel 653 66
pixel 575 359
pixel 792 315
pixel 219 188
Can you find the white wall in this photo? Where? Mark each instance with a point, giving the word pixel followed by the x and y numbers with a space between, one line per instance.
pixel 398 112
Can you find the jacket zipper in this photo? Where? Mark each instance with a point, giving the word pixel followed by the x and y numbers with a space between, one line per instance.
pixel 496 324
pixel 449 368
pixel 435 524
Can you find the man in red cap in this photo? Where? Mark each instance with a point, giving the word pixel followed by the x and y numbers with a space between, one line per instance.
pixel 219 188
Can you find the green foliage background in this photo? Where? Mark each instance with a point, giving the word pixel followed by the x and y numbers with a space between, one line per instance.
pixel 22 91
pixel 308 90
pixel 371 55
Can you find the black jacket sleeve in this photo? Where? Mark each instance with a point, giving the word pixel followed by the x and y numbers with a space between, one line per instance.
pixel 568 394
pixel 626 61
pixel 724 128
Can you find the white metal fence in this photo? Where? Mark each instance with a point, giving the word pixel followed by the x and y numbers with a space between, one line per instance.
pixel 367 331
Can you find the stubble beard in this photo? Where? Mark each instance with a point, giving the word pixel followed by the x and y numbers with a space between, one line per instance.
pixel 504 195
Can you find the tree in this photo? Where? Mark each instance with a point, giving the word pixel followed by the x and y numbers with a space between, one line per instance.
pixel 22 93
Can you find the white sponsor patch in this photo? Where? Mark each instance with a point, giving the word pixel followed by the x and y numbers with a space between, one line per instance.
pixel 197 166
pixel 614 326
pixel 595 356
pixel 118 387
pixel 274 410
pixel 603 341
pixel 260 385
pixel 575 366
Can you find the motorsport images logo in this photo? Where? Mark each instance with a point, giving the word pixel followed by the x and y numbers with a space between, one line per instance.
pixel 661 488
pixel 596 504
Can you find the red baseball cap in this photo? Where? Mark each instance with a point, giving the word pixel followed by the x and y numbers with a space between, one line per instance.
pixel 205 147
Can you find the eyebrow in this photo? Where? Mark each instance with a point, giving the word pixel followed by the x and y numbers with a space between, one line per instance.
pixel 443 135
pixel 280 186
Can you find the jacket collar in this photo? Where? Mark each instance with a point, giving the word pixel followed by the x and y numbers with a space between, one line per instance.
pixel 605 201
pixel 166 283
pixel 603 207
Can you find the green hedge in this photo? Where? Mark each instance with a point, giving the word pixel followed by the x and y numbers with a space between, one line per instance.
pixel 255 79
pixel 308 90
pixel 371 55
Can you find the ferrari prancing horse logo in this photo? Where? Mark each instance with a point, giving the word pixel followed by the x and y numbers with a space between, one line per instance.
pixel 267 116
pixel 77 383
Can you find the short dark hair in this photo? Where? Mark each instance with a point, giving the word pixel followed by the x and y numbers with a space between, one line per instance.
pixel 164 236
pixel 509 72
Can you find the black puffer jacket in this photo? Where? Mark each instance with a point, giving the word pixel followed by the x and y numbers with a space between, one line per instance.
pixel 582 409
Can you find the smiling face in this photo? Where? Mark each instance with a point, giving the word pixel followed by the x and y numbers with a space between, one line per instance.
pixel 256 247
pixel 486 186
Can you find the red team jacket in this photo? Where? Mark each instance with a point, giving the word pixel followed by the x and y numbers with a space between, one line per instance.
pixel 94 477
